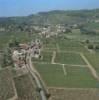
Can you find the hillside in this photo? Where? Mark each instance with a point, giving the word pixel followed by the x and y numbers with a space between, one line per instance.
pixel 54 17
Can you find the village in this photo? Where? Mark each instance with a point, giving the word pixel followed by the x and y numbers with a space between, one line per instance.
pixel 20 54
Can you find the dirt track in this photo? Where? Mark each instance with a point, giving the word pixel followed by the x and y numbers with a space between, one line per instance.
pixel 53 57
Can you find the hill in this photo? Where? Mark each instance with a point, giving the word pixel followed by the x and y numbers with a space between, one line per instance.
pixel 54 17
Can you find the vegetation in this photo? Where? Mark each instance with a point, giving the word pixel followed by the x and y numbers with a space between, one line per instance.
pixel 90 46
pixel 52 17
pixel 77 77
pixel 69 58
pixel 45 57
pixel 74 94
pixel 7 88
pixel 6 58
pixel 25 89
pixel 81 32
pixel 93 59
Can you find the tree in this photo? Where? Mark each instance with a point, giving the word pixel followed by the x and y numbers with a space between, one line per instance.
pixel 87 41
pixel 97 47
pixel 13 43
pixel 90 46
pixel 7 58
pixel 68 30
pixel 87 31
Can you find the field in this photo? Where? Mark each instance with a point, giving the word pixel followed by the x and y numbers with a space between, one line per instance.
pixel 7 87
pixel 93 25
pixel 69 58
pixel 78 77
pixel 66 70
pixel 94 60
pixel 47 56
pixel 25 88
pixel 74 94
pixel 63 66
pixel 5 37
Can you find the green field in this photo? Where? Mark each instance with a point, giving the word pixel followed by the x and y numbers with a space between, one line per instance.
pixel 69 70
pixel 64 45
pixel 69 58
pixel 70 45
pixel 77 77
pixel 94 60
pixel 5 37
pixel 93 25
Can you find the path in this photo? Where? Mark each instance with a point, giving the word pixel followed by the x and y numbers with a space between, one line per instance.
pixel 58 49
pixel 64 51
pixel 64 69
pixel 93 71
pixel 53 57
pixel 70 65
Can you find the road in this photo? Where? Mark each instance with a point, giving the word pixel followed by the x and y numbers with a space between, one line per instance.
pixel 33 73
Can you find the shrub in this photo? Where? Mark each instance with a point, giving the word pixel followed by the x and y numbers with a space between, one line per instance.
pixel 90 46
pixel 97 47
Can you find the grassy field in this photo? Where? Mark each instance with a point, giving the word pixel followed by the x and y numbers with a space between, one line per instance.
pixel 5 37
pixel 77 77
pixel 6 84
pixel 94 60
pixel 93 25
pixel 65 45
pixel 25 88
pixel 69 58
pixel 69 70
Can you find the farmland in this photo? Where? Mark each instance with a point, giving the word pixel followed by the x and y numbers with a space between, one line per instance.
pixel 7 87
pixel 25 88
pixel 77 77
pixel 66 73
pixel 74 94
pixel 69 58
pixel 94 60
pixel 66 68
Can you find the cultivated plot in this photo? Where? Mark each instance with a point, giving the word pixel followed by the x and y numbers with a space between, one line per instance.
pixel 55 75
pixel 69 45
pixel 93 58
pixel 74 94
pixel 7 87
pixel 25 88
pixel 69 58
